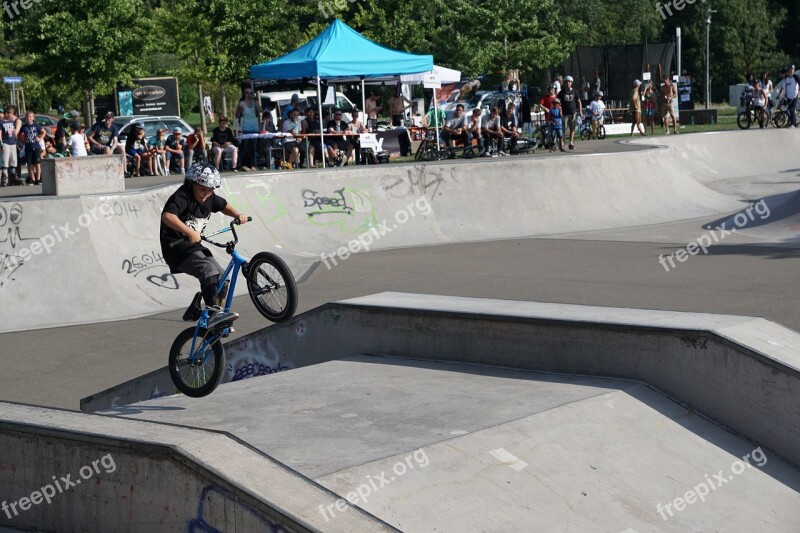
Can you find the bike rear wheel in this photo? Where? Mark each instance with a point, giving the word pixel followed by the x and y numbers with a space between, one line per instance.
pixel 586 134
pixel 200 376
pixel 780 119
pixel 272 287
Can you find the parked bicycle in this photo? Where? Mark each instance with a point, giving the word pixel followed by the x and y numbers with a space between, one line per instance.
pixel 197 357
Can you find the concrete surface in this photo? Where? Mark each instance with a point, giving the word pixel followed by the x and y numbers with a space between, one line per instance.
pixel 304 215
pixel 717 365
pixel 74 176
pixel 140 476
pixel 453 447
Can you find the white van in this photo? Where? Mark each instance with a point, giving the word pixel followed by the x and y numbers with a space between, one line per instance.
pixel 307 98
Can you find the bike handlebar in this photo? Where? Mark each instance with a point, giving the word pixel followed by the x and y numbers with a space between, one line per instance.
pixel 230 228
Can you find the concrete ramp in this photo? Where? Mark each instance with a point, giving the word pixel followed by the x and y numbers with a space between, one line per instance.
pixel 99 256
pixel 429 446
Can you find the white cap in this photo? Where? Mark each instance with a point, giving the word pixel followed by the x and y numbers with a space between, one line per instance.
pixel 636 83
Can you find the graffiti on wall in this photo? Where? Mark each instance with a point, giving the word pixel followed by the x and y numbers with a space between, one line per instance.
pixel 253 357
pixel 11 242
pixel 156 268
pixel 215 500
pixel 420 180
pixel 346 209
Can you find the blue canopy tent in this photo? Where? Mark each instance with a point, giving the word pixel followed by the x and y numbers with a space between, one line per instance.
pixel 341 54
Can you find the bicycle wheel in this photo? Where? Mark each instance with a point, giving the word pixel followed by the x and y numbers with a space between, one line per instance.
pixel 524 146
pixel 586 134
pixel 744 119
pixel 602 132
pixel 780 119
pixel 434 155
pixel 201 377
pixel 272 287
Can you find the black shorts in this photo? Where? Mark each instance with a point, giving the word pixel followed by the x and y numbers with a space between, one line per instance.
pixel 33 154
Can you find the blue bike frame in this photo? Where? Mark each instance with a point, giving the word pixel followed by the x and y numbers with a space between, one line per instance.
pixel 235 265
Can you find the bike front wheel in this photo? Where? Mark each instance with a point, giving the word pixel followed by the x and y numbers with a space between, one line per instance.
pixel 272 287
pixel 744 120
pixel 197 374
pixel 780 119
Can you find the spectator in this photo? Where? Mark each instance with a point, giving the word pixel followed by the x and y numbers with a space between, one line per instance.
pixel 556 126
pixel 455 129
pixel 104 137
pixel 247 112
pixel 295 104
pixel 509 125
pixel 208 107
pixel 223 142
pixel 759 100
pixel 557 83
pixel 313 128
pixel 398 105
pixel 11 128
pixel 271 107
pixel 357 127
pixel 598 109
pixel 490 130
pixel 77 143
pixel 668 94
pixel 196 144
pixel 635 108
pixel 570 103
pixel 766 86
pixel 585 88
pixel 547 101
pixel 157 147
pixel 175 147
pixel 338 140
pixel 62 129
pixel 473 129
pixel 33 150
pixel 790 91
pixel 596 82
pixel 372 109
pixel 136 147
pixel 649 99
pixel 293 125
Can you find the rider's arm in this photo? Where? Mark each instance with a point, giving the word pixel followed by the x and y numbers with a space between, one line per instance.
pixel 232 212
pixel 172 221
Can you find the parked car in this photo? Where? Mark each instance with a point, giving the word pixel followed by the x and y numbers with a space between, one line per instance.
pixel 307 98
pixel 151 125
pixel 46 121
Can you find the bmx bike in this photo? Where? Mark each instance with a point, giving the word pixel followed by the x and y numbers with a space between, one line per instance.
pixel 197 357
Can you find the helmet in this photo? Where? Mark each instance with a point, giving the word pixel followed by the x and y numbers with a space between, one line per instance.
pixel 204 174
pixel 568 78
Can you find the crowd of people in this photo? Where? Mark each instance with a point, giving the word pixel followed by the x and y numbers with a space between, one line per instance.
pixel 761 96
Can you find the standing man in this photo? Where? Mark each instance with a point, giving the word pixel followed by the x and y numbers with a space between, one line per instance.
pixel 668 94
pixel 636 108
pixel 558 82
pixel 570 104
pixel 33 150
pixel 104 137
pixel 790 90
pixel 11 126
pixel 398 105
pixel 372 109
pixel 295 104
pixel 222 141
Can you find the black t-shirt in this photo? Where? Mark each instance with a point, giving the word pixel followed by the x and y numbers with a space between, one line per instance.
pixel 222 137
pixel 313 126
pixel 337 126
pixel 193 214
pixel 105 134
pixel 569 101
pixel 509 122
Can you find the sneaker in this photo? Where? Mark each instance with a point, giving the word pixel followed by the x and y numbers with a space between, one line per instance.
pixel 487 154
pixel 217 317
pixel 571 146
pixel 192 312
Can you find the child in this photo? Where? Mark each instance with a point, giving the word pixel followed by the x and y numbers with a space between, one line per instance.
pixel 183 219
pixel 77 143
pixel 556 126
pixel 157 146
pixel 598 108
pixel 33 150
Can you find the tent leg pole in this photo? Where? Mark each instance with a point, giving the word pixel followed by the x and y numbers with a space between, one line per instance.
pixel 321 128
pixel 436 119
